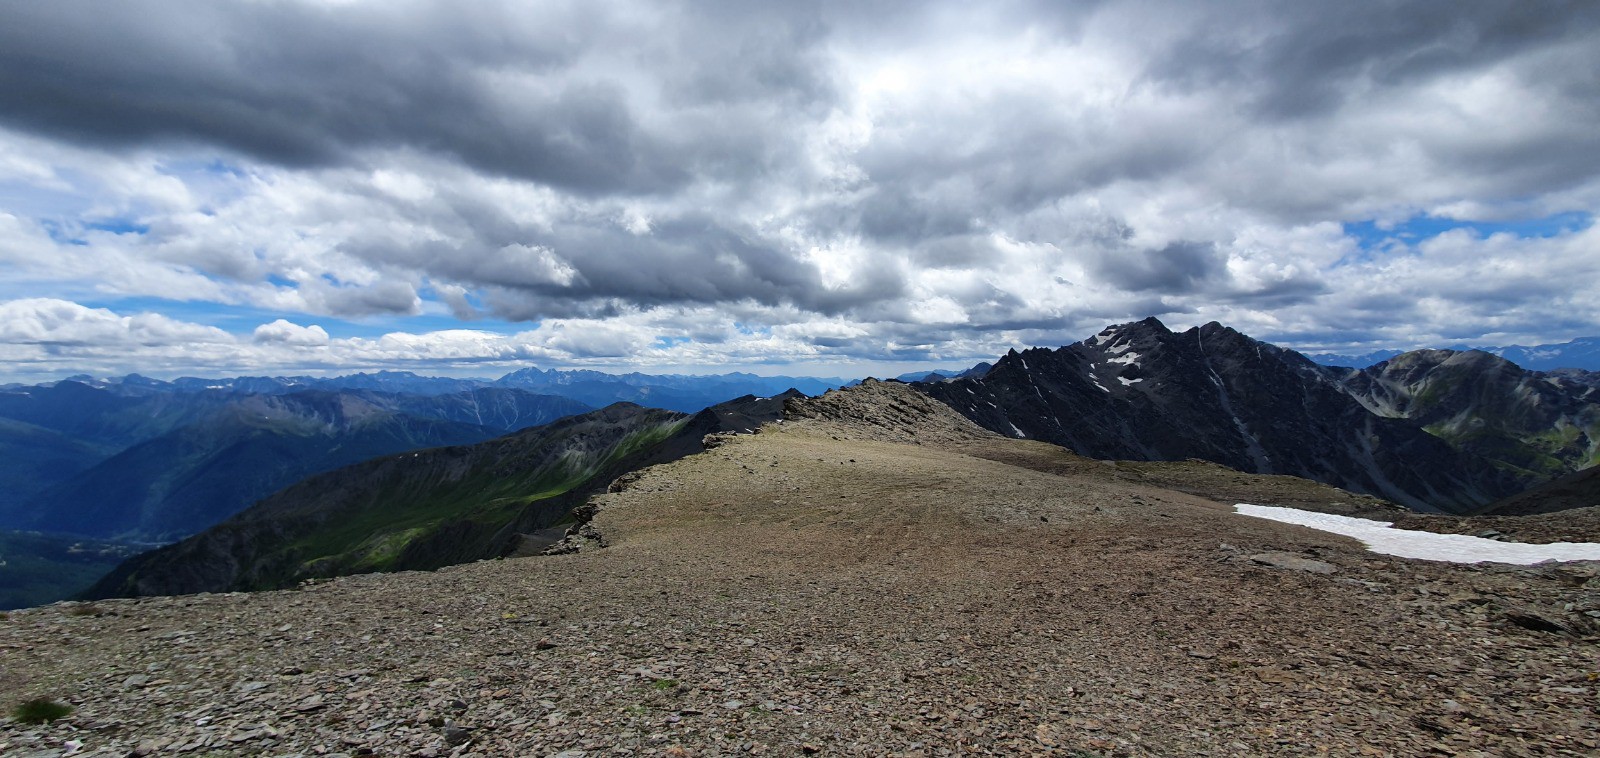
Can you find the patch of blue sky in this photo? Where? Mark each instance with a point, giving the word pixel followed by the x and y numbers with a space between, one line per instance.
pixel 670 342
pixel 118 226
pixel 377 326
pixel 1370 235
pixel 239 319
pixel 242 320
pixel 39 201
pixel 74 232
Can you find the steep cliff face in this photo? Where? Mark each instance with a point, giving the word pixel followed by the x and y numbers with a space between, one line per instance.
pixel 1141 391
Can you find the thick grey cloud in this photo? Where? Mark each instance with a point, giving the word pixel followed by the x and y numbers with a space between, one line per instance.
pixel 504 88
pixel 1305 59
pixel 748 182
pixel 1177 268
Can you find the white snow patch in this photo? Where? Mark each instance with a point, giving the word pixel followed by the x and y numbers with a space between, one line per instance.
pixel 1014 428
pixel 1382 537
pixel 1119 349
pixel 1098 384
pixel 1126 381
pixel 1024 364
pixel 1131 359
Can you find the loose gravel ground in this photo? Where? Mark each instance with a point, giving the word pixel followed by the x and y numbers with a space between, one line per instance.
pixel 860 581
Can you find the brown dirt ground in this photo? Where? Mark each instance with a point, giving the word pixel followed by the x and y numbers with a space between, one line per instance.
pixel 831 588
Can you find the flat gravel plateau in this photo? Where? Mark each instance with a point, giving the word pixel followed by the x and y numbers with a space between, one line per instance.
pixel 873 577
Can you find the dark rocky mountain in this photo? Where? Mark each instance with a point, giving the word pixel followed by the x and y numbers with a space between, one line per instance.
pixel 1579 489
pixel 1140 391
pixel 1537 425
pixel 431 508
pixel 501 408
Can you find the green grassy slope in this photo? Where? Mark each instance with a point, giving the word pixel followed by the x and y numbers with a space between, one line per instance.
pixel 413 510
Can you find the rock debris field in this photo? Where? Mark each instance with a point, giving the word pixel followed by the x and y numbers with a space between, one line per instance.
pixel 873 577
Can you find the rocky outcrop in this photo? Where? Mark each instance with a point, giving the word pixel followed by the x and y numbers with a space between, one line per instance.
pixel 886 411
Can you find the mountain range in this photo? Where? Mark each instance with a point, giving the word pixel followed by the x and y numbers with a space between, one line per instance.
pixel 199 449
pixel 385 480
pixel 431 508
pixel 1434 432
pixel 678 392
pixel 1582 353
pixel 187 461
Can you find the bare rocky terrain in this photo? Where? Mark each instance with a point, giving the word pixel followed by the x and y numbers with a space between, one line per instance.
pixel 875 576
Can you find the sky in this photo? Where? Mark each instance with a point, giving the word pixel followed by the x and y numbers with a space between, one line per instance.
pixel 320 186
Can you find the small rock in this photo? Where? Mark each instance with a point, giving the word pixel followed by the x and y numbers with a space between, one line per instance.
pixel 457 735
pixel 1291 561
pixel 136 681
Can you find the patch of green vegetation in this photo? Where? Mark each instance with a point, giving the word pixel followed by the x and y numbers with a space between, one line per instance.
pixel 39 710
pixel 37 569
pixel 373 535
pixel 1430 394
pixel 664 684
pixel 383 549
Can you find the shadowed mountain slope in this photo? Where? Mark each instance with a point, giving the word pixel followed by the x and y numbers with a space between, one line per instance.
pixel 430 508
pixel 188 479
pixel 1139 391
pixel 1579 489
pixel 1533 424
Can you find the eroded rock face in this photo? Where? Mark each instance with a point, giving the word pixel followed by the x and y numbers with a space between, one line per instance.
pixel 1143 392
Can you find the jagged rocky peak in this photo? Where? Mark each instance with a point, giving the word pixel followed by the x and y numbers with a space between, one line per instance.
pixel 1146 332
pixel 1139 390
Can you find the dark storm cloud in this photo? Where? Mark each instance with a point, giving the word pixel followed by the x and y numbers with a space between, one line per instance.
pixel 573 269
pixel 1303 59
pixel 845 176
pixel 502 90
pixel 1178 268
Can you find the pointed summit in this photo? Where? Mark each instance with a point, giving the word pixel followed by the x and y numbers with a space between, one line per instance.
pixel 1140 391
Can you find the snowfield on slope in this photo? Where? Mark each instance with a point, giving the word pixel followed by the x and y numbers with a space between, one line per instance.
pixel 1382 537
